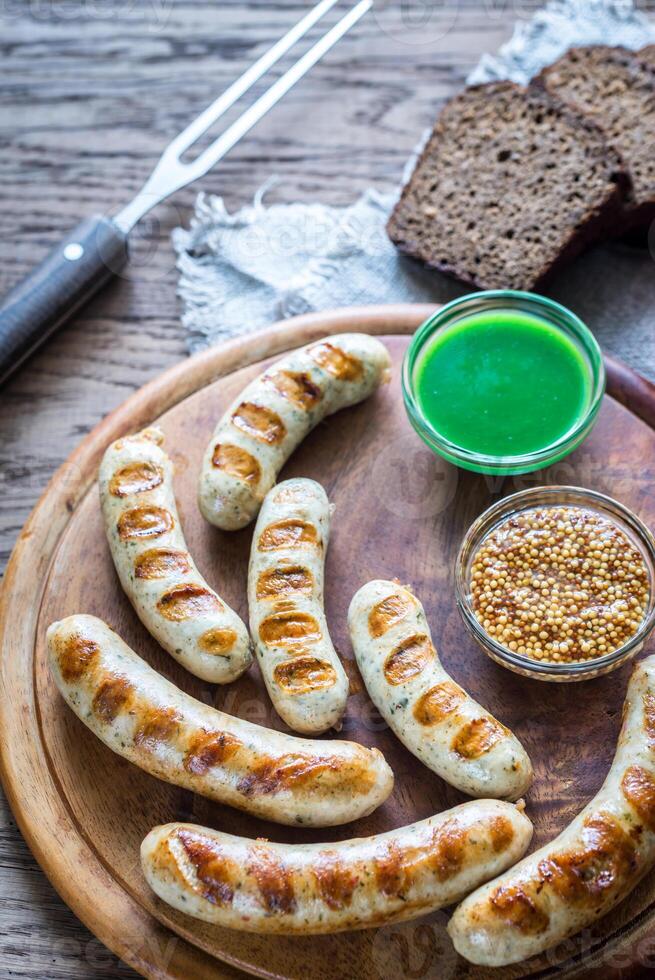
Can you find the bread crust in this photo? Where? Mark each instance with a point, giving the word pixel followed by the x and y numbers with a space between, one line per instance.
pixel 578 78
pixel 598 219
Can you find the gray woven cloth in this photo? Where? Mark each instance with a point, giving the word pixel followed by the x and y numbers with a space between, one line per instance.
pixel 241 271
pixel 260 264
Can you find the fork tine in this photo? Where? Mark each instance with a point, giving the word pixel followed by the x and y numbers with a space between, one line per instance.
pixel 223 143
pixel 201 123
pixel 170 173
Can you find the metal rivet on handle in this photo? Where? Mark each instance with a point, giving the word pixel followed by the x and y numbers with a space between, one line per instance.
pixel 73 252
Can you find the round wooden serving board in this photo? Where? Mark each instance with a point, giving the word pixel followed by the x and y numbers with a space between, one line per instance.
pixel 400 512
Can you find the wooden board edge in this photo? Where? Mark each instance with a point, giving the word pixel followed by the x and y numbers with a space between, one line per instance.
pixel 631 389
pixel 29 563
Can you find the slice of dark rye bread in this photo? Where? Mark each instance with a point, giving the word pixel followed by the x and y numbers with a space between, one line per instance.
pixel 510 185
pixel 615 88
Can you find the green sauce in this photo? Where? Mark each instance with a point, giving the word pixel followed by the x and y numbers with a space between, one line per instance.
pixel 502 383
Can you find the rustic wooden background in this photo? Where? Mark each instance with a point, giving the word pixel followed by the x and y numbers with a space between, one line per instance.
pixel 92 90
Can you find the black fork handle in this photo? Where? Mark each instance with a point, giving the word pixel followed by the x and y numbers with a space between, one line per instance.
pixel 90 255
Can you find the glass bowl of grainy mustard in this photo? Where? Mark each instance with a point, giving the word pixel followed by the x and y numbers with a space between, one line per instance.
pixel 558 583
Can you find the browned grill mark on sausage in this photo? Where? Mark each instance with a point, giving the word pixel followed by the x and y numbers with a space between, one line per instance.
pixel 283 581
pixel 168 863
pixel 218 641
pixel 501 833
pixel 161 562
pixel 649 719
pixel 437 703
pixel 447 851
pixel 75 655
pixel 584 875
pixel 477 737
pixel 442 856
pixel 389 871
pixel 208 749
pixel 259 423
pixel 319 775
pixel 156 725
pixel 517 907
pixel 388 613
pixel 287 772
pixel 335 881
pixel 144 522
pixel 188 600
pixel 297 387
pixel 274 881
pixel 290 533
pixel 638 786
pixel 111 698
pixel 303 674
pixel 408 659
pixel 236 462
pixel 216 873
pixel 136 477
pixel 289 629
pixel 336 362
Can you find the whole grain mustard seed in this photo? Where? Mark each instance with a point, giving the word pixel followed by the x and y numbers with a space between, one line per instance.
pixel 559 584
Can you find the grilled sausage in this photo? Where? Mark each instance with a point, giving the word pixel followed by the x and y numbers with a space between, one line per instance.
pixel 274 413
pixel 431 714
pixel 147 720
pixel 157 573
pixel 319 888
pixel 593 864
pixel 303 674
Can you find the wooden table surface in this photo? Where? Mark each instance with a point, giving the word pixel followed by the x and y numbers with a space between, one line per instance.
pixel 92 91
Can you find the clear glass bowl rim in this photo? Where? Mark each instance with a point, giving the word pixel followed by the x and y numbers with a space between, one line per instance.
pixel 522 501
pixel 555 314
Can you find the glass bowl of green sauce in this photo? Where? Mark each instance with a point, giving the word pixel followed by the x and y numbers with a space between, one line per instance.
pixel 503 382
